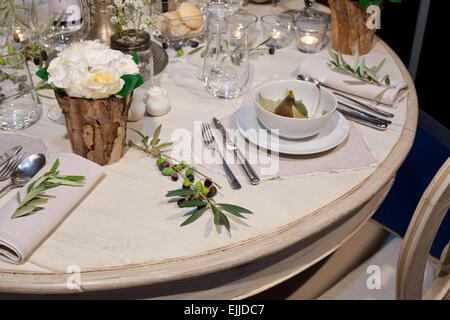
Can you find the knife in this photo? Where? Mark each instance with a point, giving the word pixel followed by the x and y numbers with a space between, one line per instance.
pixel 370 122
pixel 365 114
pixel 230 145
pixel 4 158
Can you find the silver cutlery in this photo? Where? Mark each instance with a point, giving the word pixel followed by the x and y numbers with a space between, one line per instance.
pixel 210 142
pixel 370 108
pixel 8 169
pixel 230 145
pixel 27 168
pixel 363 119
pixel 363 113
pixel 4 158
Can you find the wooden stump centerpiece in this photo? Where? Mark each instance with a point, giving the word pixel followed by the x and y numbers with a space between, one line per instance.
pixel 349 27
pixel 96 128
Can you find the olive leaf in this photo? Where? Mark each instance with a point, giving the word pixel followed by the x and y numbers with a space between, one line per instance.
pixel 360 71
pixel 35 199
pixel 194 216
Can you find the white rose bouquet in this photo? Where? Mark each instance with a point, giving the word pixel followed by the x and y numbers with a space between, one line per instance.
pixel 94 86
pixel 91 70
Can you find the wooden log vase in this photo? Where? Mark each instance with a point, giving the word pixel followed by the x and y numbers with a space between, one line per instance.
pixel 349 27
pixel 96 128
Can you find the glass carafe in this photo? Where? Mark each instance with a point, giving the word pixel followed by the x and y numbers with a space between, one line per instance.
pixel 225 67
pixel 226 64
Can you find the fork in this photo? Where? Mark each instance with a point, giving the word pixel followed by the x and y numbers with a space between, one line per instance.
pixel 210 142
pixel 11 165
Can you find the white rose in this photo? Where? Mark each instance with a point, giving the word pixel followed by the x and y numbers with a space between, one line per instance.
pixel 125 64
pixel 90 69
pixel 101 82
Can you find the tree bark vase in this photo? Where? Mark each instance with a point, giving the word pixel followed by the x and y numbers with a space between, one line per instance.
pixel 96 128
pixel 349 27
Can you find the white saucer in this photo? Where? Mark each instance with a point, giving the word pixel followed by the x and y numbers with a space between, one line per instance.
pixel 333 134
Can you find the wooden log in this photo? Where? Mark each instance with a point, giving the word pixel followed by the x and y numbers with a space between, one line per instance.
pixel 96 128
pixel 348 27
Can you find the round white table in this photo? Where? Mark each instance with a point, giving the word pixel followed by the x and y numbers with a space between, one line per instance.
pixel 126 240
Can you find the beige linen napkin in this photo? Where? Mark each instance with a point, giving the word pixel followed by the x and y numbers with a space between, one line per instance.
pixel 19 237
pixel 317 68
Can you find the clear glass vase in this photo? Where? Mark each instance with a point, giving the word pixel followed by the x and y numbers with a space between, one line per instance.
pixel 226 69
pixel 19 103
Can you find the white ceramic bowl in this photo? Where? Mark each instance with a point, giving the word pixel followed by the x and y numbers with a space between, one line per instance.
pixel 296 128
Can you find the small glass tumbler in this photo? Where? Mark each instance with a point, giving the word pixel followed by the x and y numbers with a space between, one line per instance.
pixel 240 21
pixel 278 28
pixel 310 34
pixel 19 104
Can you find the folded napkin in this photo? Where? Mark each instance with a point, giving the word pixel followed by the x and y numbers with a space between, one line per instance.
pixel 19 237
pixel 352 154
pixel 316 67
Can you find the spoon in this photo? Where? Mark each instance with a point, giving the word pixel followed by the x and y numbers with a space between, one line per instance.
pixel 27 168
pixel 373 109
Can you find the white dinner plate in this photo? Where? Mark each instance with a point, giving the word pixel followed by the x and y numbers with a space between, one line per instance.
pixel 333 134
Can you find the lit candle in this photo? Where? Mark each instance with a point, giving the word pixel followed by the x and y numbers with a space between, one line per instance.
pixel 237 34
pixel 277 35
pixel 309 39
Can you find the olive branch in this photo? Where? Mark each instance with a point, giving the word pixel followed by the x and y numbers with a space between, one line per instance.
pixel 198 197
pixel 361 72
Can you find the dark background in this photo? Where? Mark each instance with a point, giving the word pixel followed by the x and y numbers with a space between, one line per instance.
pixel 398 21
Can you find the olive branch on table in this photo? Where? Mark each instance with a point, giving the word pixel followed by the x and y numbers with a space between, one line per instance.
pixel 198 196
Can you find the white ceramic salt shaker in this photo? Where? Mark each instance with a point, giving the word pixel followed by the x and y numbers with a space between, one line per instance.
pixel 137 107
pixel 157 101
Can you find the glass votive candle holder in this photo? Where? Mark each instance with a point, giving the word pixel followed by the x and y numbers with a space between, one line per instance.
pixel 310 34
pixel 240 22
pixel 278 28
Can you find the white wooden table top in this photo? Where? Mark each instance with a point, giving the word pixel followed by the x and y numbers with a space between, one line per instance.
pixel 125 233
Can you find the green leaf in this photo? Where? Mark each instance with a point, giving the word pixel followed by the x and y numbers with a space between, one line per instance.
pixel 387 80
pixel 355 82
pixel 193 203
pixel 180 193
pixel 42 73
pixel 380 95
pixel 234 212
pixel 163 146
pixel 135 57
pixel 156 135
pixel 31 195
pixel 23 211
pixel 132 81
pixel 55 166
pixel 378 68
pixel 64 182
pixel 216 213
pixel 72 178
pixel 334 56
pixel 356 64
pixel 224 221
pixel 139 133
pixel 36 183
pixel 197 214
pixel 235 208
pixel 195 50
pixel 263 43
